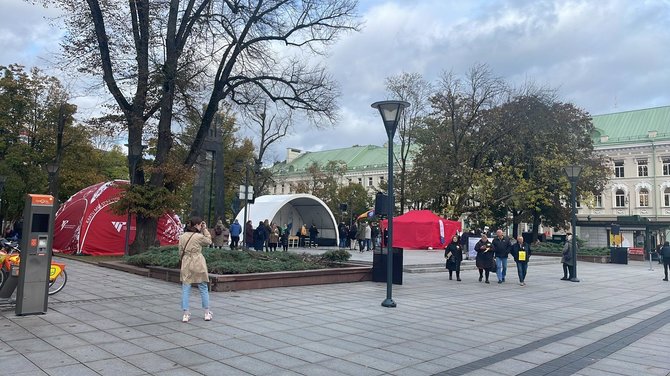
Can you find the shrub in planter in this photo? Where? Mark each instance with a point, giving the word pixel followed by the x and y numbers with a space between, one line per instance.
pixel 338 255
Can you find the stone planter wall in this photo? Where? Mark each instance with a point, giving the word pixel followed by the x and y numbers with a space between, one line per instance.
pixel 234 282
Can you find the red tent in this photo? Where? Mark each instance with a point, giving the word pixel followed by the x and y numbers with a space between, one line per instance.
pixel 420 229
pixel 85 224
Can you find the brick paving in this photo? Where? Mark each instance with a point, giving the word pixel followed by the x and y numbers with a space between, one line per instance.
pixel 106 322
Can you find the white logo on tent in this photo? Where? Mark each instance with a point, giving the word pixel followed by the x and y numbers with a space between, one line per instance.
pixel 63 224
pixel 118 225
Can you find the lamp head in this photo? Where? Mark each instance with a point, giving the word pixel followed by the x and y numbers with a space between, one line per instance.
pixel 390 112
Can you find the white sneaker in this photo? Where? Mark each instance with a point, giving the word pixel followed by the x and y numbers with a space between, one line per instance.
pixel 208 316
pixel 186 317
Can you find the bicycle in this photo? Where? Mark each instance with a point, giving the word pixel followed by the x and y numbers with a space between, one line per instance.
pixel 10 254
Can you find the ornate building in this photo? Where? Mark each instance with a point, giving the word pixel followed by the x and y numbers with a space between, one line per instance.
pixel 637 198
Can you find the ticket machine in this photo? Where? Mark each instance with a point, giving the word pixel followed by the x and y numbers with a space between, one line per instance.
pixel 36 242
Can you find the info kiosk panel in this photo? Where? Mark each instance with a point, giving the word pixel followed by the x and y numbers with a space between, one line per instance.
pixel 33 285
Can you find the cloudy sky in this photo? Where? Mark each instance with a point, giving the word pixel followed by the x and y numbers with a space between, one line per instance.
pixel 602 55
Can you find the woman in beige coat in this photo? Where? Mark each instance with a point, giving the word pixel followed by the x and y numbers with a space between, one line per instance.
pixel 193 265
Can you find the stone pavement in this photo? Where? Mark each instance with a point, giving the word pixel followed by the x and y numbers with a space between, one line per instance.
pixel 107 322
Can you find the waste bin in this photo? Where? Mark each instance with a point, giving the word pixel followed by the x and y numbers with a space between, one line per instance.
pixel 379 260
pixel 619 255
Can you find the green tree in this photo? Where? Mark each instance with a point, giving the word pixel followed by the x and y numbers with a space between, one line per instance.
pixel 156 58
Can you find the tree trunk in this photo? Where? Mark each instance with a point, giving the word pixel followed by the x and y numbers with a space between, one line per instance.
pixel 536 226
pixel 145 235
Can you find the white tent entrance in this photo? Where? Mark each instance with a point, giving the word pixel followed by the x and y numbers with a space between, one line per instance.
pixel 294 211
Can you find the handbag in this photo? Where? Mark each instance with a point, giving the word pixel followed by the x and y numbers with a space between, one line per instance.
pixel 493 267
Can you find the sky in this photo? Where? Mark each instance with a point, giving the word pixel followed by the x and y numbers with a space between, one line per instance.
pixel 603 56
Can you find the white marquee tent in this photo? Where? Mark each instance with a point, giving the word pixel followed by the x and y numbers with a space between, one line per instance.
pixel 294 210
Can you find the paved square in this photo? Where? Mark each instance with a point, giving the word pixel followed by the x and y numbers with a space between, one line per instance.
pixel 614 322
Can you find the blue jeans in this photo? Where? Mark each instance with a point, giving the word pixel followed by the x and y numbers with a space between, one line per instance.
pixel 186 292
pixel 501 268
pixel 343 242
pixel 522 268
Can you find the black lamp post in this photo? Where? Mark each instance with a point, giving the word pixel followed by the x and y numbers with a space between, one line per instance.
pixel 52 169
pixel 3 179
pixel 573 173
pixel 134 156
pixel 390 112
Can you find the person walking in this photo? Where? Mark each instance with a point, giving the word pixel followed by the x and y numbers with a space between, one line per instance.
pixel 360 236
pixel 353 235
pixel 248 235
pixel 219 239
pixel 259 238
pixel 567 260
pixel 501 248
pixel 342 234
pixel 454 255
pixel 665 252
pixel 521 254
pixel 285 233
pixel 235 231
pixel 193 266
pixel 368 237
pixel 484 259
pixel 313 232
pixel 274 238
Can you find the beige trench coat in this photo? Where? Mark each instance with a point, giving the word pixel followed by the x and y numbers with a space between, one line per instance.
pixel 193 265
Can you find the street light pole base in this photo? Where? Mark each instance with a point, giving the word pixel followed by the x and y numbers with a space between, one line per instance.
pixel 574 279
pixel 389 303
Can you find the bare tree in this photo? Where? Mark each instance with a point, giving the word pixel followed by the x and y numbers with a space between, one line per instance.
pixel 410 87
pixel 159 58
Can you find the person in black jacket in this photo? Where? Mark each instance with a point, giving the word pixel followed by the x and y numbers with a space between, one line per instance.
pixel 521 254
pixel 665 252
pixel 484 259
pixel 454 255
pixel 501 248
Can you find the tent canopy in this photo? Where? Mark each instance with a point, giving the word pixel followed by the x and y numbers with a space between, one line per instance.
pixel 85 223
pixel 420 229
pixel 293 210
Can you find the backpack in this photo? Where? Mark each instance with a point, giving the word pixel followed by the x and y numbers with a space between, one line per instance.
pixel 218 230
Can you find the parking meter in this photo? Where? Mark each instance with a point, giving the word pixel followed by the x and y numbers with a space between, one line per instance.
pixel 36 241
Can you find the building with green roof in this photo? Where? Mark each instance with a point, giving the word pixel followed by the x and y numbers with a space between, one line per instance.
pixel 637 198
pixel 366 165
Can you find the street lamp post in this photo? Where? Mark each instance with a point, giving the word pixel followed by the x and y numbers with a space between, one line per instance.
pixel 52 169
pixel 134 156
pixel 390 112
pixel 3 179
pixel 573 173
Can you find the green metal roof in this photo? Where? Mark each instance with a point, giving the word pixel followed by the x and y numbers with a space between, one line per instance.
pixel 631 126
pixel 369 157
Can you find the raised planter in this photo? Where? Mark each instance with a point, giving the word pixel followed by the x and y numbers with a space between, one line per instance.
pixel 585 258
pixel 234 282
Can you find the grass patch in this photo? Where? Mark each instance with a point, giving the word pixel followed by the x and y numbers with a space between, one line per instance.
pixel 240 262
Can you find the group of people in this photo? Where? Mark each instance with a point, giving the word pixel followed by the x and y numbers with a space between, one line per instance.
pixel 364 235
pixel 491 257
pixel 266 236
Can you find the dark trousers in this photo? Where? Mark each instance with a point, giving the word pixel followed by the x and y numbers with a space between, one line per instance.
pixel 458 274
pixel 522 268
pixel 234 240
pixel 567 271
pixel 666 265
pixel 481 274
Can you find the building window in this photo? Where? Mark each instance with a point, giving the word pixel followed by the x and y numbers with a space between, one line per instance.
pixel 370 182
pixel 282 189
pixel 644 197
pixel 620 199
pixel 642 168
pixel 381 179
pixel 666 197
pixel 666 166
pixel 275 190
pixel 578 202
pixel 360 181
pixel 599 201
pixel 618 169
